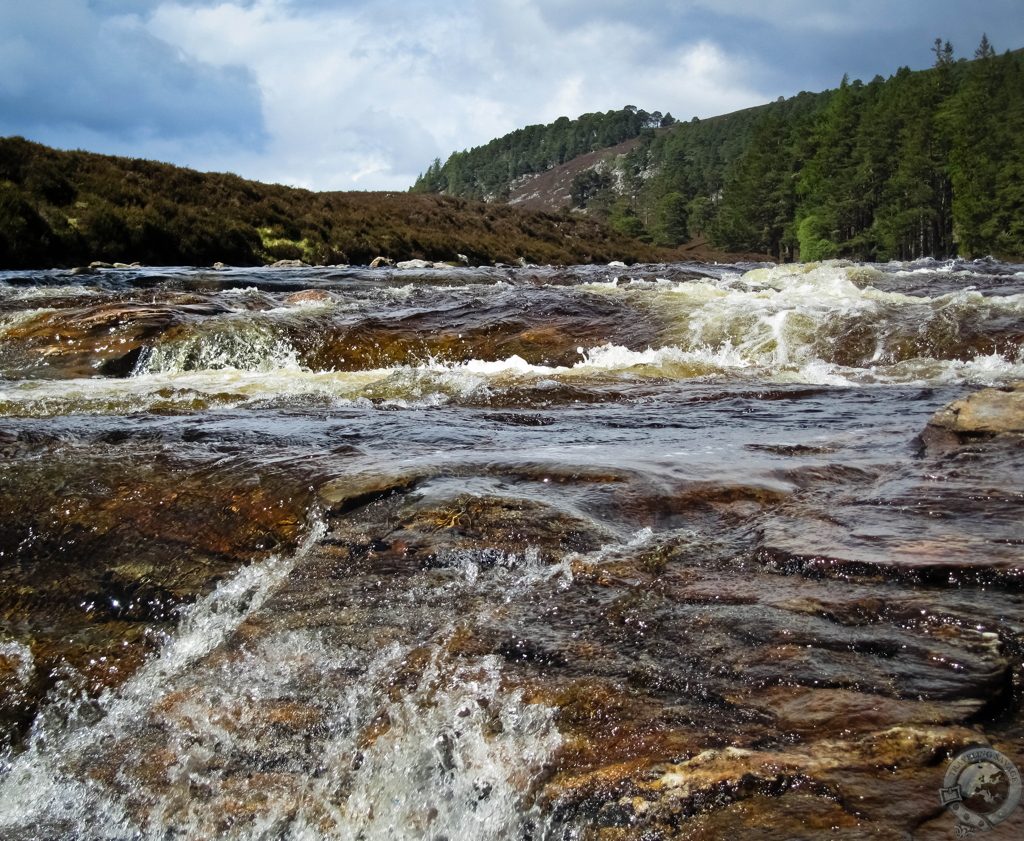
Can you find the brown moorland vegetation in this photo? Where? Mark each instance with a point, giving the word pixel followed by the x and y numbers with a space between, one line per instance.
pixel 62 208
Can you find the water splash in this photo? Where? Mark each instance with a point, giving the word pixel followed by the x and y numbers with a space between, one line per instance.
pixel 366 745
pixel 457 760
pixel 17 669
pixel 41 787
pixel 234 344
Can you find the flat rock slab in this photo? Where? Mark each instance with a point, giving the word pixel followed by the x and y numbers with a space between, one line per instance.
pixel 989 412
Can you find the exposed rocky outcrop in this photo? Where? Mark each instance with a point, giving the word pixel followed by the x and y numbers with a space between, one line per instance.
pixel 414 264
pixel 983 414
pixel 289 264
pixel 696 694
pixel 95 338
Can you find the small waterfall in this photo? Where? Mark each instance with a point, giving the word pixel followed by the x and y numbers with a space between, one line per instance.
pixel 292 736
pixel 229 343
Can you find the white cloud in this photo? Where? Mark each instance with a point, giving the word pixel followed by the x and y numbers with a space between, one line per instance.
pixel 364 96
pixel 365 93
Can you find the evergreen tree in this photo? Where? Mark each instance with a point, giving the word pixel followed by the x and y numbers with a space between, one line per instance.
pixel 586 185
pixel 622 217
pixel 828 182
pixel 699 213
pixel 943 53
pixel 670 226
pixel 758 201
pixel 972 120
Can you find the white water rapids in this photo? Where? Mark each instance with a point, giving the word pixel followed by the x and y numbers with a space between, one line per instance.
pixel 815 325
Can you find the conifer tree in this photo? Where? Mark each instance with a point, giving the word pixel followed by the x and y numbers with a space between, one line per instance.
pixel 758 201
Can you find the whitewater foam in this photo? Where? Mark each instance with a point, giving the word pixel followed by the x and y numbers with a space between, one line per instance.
pixel 239 344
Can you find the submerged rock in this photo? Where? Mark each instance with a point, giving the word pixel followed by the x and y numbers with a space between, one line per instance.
pixel 308 296
pixel 413 264
pixel 379 262
pixel 101 549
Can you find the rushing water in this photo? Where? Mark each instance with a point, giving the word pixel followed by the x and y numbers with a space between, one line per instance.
pixel 531 553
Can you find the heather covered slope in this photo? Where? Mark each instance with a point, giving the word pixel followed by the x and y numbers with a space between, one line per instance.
pixel 69 208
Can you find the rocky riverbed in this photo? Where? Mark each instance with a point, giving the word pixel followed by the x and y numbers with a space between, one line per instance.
pixel 665 552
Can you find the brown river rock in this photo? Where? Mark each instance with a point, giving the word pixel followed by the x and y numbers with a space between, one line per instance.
pixel 467 333
pixel 94 339
pixel 693 702
pixel 983 414
pixel 308 296
pixel 109 550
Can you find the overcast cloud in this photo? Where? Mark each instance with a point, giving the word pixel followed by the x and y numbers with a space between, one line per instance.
pixel 364 94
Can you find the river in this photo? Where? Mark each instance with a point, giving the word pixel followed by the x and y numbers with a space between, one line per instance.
pixel 504 553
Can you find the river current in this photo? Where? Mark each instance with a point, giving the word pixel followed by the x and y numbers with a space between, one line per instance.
pixel 504 553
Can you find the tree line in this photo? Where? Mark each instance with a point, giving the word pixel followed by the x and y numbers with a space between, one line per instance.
pixel 922 164
pixel 925 163
pixel 487 172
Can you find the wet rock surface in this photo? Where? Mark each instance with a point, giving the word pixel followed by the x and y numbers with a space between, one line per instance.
pixel 696 691
pixel 984 414
pixel 102 544
pixel 633 594
pixel 102 339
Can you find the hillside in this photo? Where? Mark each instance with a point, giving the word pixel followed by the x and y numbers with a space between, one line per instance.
pixel 69 208
pixel 551 190
pixel 926 163
pixel 536 167
pixel 488 171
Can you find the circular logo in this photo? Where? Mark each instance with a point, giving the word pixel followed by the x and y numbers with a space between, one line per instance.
pixel 981 788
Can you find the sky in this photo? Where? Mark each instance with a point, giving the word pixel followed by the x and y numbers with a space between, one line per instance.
pixel 364 94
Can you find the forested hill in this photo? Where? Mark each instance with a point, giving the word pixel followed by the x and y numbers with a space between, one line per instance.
pixel 922 163
pixel 70 208
pixel 487 172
